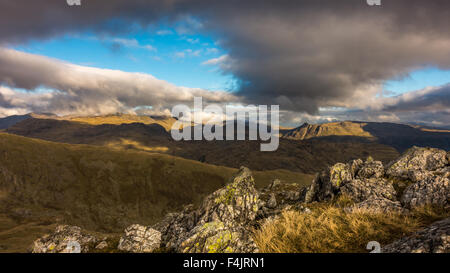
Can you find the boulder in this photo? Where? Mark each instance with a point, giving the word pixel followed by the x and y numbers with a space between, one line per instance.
pixel 416 162
pixel 371 169
pixel 357 179
pixel 429 170
pixel 324 187
pixel 65 239
pixel 431 190
pixel 140 239
pixel 236 203
pixel 176 226
pixel 216 237
pixel 339 174
pixel 433 239
pixel 362 189
pixel 275 199
pixel 233 207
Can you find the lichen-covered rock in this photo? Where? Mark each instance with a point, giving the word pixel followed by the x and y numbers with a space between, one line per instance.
pixel 234 205
pixel 326 183
pixel 140 239
pixel 355 166
pixel 176 226
pixel 433 239
pixel 371 169
pixel 216 237
pixel 275 198
pixel 376 204
pixel 340 173
pixel 431 190
pixel 357 179
pixel 65 239
pixel 361 189
pixel 415 161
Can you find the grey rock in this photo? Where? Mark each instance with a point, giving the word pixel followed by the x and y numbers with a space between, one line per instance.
pixel 272 203
pixel 361 189
pixel 371 169
pixel 216 237
pixel 233 206
pixel 415 161
pixel 433 239
pixel 65 239
pixel 140 239
pixel 356 179
pixel 431 190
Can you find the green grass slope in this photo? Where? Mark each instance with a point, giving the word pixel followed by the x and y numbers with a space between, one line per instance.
pixel 97 188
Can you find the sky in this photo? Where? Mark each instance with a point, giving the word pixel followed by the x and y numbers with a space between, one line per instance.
pixel 164 53
pixel 319 60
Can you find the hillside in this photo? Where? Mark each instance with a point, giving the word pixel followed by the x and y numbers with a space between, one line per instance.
pixel 117 119
pixel 401 207
pixel 399 136
pixel 346 128
pixel 9 121
pixel 306 156
pixel 43 183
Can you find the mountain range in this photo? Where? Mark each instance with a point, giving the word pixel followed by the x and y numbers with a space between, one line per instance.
pixel 107 172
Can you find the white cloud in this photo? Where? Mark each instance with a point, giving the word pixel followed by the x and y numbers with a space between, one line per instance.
pixel 85 90
pixel 217 61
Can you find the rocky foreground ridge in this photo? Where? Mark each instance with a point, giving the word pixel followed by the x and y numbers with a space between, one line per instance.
pixel 226 218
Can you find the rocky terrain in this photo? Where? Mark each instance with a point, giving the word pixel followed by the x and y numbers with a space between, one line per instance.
pixel 226 219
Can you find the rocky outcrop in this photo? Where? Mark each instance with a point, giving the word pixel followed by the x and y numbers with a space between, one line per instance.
pixel 231 208
pixel 65 239
pixel 279 196
pixel 215 237
pixel 415 161
pixel 362 189
pixel 357 180
pixel 426 170
pixel 432 190
pixel 433 239
pixel 140 239
pixel 223 222
pixel 429 170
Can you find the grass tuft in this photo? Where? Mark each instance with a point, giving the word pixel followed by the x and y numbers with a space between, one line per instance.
pixel 329 229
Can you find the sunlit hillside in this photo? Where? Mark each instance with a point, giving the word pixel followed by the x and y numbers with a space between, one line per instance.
pixel 43 183
pixel 118 119
pixel 306 156
pixel 346 128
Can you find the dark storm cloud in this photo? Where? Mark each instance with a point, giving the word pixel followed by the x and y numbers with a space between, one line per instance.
pixel 301 54
pixel 428 99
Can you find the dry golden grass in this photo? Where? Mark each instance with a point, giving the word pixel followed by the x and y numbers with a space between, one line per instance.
pixel 136 145
pixel 329 229
pixel 118 119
